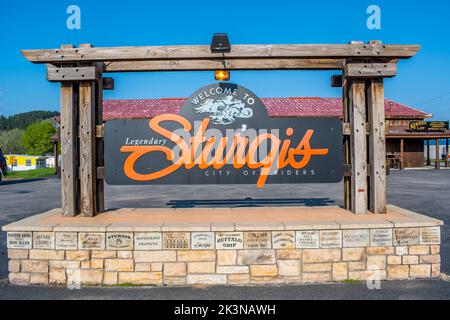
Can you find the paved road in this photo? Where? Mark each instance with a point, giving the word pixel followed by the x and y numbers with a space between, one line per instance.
pixel 426 192
pixel 392 290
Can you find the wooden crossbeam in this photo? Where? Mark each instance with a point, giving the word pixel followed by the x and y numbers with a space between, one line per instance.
pixel 55 74
pixel 370 70
pixel 272 51
pixel 228 64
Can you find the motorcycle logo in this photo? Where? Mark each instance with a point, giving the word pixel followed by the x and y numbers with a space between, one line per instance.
pixel 225 111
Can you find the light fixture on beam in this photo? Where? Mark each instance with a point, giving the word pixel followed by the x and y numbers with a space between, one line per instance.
pixel 336 81
pixel 220 43
pixel 222 75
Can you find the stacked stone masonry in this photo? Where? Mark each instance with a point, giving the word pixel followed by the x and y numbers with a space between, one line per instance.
pixel 222 257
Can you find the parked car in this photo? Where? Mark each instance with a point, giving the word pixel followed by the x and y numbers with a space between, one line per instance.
pixel 3 165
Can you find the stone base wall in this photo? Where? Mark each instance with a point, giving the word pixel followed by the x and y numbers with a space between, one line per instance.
pixel 222 258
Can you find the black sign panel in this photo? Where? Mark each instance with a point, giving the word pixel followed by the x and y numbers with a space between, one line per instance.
pixel 428 126
pixel 223 135
pixel 439 126
pixel 418 126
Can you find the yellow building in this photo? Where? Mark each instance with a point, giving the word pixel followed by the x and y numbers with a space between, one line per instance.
pixel 23 162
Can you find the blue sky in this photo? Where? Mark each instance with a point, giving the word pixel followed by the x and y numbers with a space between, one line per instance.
pixel 423 82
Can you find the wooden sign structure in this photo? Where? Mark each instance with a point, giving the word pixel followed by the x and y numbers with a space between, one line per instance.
pixel 81 74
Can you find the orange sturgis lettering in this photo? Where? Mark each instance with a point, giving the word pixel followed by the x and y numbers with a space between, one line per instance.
pixel 281 153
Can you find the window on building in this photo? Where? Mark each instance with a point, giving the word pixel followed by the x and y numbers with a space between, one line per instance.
pixel 40 162
pixel 28 163
pixel 15 163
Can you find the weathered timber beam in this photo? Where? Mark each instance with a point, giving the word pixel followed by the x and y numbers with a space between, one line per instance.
pixel 71 73
pixel 370 70
pixel 229 64
pixel 344 51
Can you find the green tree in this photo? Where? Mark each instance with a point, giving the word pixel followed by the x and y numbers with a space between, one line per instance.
pixel 11 141
pixel 23 120
pixel 36 138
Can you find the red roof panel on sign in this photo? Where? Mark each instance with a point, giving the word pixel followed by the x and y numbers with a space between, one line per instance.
pixel 277 107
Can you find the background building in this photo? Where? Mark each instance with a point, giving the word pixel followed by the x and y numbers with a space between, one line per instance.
pixel 21 162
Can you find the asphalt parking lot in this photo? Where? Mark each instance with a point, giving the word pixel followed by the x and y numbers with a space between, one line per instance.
pixel 424 191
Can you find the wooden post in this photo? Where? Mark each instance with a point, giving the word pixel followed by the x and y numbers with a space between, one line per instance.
pixel 69 149
pixel 100 162
pixel 446 153
pixel 363 100
pixel 347 152
pixel 428 154
pixel 402 155
pixel 358 146
pixel 55 154
pixel 377 146
pixel 87 149
pixel 437 164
